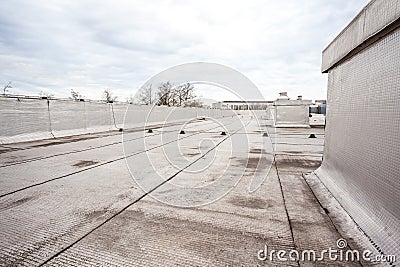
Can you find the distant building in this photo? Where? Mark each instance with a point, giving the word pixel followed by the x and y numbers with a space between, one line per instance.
pixel 317 113
pixel 219 105
pixel 319 107
pixel 243 105
pixel 283 111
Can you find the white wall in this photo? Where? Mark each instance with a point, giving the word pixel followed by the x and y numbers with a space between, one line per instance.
pixel 34 119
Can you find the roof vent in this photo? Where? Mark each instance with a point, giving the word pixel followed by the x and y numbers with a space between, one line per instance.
pixel 283 96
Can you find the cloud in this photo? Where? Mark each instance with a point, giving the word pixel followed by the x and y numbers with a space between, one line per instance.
pixel 92 45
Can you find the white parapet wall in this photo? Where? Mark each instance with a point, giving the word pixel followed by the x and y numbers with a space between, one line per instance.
pixel 361 164
pixel 316 120
pixel 291 113
pixel 25 119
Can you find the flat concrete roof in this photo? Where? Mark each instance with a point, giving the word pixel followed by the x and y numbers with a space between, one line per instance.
pixel 73 202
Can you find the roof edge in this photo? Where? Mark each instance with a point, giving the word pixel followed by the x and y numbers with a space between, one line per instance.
pixel 370 21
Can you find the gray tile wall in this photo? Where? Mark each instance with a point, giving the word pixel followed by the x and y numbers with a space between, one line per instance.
pixel 361 165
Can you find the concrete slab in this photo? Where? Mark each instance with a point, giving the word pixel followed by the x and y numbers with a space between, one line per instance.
pixel 76 203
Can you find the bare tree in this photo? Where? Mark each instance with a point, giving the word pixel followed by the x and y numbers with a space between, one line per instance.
pixel 179 96
pixel 75 95
pixel 146 95
pixel 5 89
pixel 185 94
pixel 108 96
pixel 164 94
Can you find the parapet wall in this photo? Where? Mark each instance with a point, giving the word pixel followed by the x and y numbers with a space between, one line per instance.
pixel 369 23
pixel 23 119
pixel 361 164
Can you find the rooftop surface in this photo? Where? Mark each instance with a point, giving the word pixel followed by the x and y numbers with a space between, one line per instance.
pixel 73 200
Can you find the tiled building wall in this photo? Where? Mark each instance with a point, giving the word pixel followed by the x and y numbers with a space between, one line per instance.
pixel 361 165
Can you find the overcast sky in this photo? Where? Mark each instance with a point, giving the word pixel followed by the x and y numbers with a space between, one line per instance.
pixel 53 46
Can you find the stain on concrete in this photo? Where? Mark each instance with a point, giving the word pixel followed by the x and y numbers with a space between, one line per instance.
pixel 298 163
pixel 192 154
pixel 4 150
pixel 212 242
pixel 249 202
pixel 85 163
pixel 18 202
pixel 294 152
pixel 50 143
pixel 69 139
pixel 94 214
pixel 257 151
pixel 250 163
pixel 12 159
